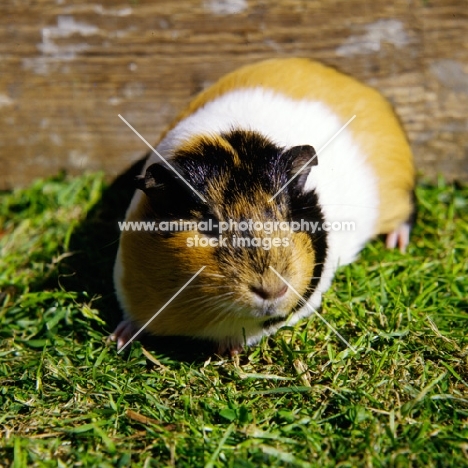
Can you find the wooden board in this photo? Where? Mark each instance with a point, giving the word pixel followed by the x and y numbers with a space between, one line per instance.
pixel 67 71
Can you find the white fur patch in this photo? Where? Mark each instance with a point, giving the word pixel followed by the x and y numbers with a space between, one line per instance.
pixel 344 182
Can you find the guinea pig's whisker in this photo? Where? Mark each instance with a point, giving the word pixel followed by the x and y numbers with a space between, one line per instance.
pixel 224 307
pixel 214 275
pixel 205 300
pixel 196 300
pixel 201 286
pixel 222 315
pixel 209 286
pixel 207 294
pixel 217 319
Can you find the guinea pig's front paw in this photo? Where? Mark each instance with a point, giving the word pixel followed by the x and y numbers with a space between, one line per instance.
pixel 122 334
pixel 229 348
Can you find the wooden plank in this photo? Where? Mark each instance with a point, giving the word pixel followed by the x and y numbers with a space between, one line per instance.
pixel 67 70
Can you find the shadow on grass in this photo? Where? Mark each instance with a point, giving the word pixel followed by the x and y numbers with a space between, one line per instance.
pixel 89 270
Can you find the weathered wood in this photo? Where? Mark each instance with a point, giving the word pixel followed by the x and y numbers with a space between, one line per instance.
pixel 67 71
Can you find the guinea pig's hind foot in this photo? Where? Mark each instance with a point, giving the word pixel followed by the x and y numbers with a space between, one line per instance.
pixel 400 236
pixel 122 334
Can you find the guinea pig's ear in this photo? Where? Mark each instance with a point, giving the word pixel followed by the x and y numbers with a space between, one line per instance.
pixel 155 178
pixel 167 193
pixel 300 161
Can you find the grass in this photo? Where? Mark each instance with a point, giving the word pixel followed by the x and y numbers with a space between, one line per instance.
pixel 298 399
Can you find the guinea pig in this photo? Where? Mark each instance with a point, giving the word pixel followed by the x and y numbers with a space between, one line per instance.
pixel 266 155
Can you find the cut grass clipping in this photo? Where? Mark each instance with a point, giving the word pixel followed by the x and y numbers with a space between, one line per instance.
pixel 298 399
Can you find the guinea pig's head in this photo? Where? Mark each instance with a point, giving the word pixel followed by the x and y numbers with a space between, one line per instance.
pixel 214 208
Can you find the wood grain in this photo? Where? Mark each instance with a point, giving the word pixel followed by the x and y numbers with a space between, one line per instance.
pixel 67 71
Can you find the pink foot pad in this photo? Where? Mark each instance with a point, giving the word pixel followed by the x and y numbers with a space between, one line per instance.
pixel 400 236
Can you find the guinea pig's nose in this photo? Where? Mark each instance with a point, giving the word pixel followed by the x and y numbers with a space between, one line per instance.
pixel 269 292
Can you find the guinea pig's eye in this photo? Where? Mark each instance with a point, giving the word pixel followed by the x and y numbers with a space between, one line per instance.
pixel 209 227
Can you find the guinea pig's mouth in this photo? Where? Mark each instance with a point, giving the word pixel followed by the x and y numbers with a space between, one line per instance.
pixel 269 311
pixel 259 312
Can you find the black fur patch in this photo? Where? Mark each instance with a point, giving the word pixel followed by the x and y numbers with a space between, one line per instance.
pixel 305 206
pixel 262 165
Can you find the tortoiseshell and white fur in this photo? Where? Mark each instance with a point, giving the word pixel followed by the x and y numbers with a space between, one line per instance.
pixel 238 143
